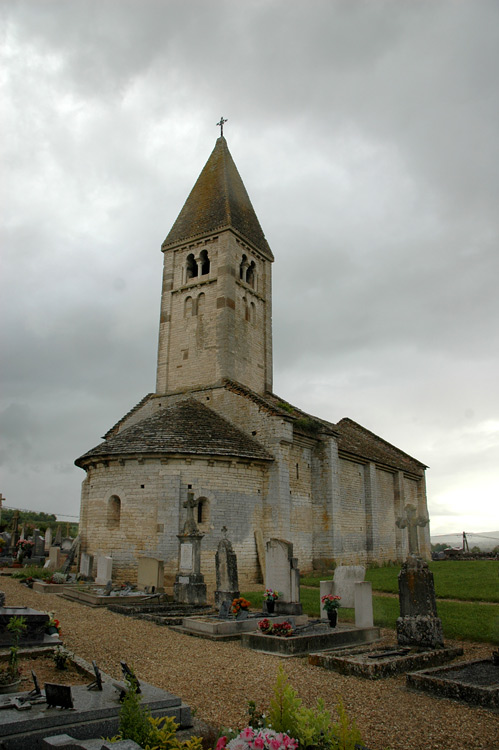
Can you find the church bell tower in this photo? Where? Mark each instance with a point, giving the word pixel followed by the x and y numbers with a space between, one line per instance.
pixel 216 302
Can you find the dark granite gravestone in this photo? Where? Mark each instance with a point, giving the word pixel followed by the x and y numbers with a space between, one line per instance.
pixel 226 571
pixel 39 544
pixel 36 623
pixel 58 696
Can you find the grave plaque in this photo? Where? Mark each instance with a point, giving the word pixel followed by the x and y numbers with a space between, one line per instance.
pixel 186 556
pixel 58 696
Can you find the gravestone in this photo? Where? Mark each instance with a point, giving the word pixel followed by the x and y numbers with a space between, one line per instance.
pixel 151 575
pixel 86 564
pixel 104 569
pixel 58 537
pixel 226 571
pixel 71 554
pixel 66 544
pixel 418 624
pixel 363 602
pixel 283 575
pixel 39 544
pixel 14 536
pixel 189 586
pixel 48 539
pixel 343 584
pixel 410 521
pixel 224 612
pixel 55 558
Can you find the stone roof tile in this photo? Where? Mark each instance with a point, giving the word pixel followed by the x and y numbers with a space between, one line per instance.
pixel 218 201
pixel 186 427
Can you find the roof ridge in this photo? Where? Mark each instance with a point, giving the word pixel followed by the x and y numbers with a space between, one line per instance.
pixel 350 421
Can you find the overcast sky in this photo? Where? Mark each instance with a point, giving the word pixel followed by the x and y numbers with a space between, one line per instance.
pixel 367 136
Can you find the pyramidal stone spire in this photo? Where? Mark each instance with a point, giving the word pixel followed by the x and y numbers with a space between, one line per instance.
pixel 218 201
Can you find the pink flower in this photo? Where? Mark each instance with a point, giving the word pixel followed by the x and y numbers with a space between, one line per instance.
pixel 221 743
pixel 247 734
pixel 274 744
pixel 258 743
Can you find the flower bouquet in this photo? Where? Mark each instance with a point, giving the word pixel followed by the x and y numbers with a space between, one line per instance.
pixel 331 604
pixel 258 739
pixel 281 629
pixel 53 627
pixel 270 596
pixel 240 604
pixel 24 549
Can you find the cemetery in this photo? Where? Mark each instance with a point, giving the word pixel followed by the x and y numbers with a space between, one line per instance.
pixel 334 651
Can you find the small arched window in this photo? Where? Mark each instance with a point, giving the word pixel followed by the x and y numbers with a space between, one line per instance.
pixel 252 315
pixel 188 307
pixel 200 304
pixel 203 508
pixel 246 309
pixel 191 269
pixel 243 267
pixel 250 274
pixel 205 262
pixel 113 512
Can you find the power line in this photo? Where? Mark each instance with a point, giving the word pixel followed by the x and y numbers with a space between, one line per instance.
pixel 27 510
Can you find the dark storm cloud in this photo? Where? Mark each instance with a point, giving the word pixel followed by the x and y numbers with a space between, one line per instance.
pixel 366 134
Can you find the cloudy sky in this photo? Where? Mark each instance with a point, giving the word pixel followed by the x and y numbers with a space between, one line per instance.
pixel 367 136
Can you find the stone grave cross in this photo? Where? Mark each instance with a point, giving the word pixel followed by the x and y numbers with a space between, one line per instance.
pixel 190 526
pixel 411 521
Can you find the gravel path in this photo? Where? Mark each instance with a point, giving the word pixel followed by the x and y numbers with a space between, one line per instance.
pixel 217 679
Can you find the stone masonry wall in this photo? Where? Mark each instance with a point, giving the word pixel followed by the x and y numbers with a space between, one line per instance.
pixel 151 494
pixel 215 325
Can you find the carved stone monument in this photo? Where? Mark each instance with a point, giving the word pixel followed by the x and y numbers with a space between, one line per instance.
pixel 189 586
pixel 226 571
pixel 418 624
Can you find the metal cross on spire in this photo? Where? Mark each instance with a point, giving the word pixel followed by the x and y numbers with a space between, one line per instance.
pixel 221 126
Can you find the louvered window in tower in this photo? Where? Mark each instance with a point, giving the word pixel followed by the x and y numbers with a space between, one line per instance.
pixel 191 269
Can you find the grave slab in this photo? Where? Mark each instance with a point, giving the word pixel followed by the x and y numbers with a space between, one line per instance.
pixel 475 682
pixel 230 629
pixel 376 663
pixel 318 637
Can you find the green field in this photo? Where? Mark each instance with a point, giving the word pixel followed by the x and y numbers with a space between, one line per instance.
pixel 469 580
pixel 475 583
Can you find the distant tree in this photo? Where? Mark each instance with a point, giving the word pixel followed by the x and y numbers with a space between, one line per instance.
pixel 439 547
pixel 476 550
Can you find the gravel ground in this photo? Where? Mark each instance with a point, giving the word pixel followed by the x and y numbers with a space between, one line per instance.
pixel 217 679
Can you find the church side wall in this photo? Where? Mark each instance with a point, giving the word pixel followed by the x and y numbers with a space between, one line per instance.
pixel 352 513
pixel 385 544
pixel 301 515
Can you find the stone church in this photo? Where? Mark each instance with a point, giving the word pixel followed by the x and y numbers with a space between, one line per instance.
pixel 254 462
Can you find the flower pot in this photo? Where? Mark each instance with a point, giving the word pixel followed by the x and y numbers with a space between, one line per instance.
pixel 51 630
pixel 10 687
pixel 270 606
pixel 332 616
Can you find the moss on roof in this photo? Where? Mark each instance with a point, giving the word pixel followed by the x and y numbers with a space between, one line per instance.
pixel 217 201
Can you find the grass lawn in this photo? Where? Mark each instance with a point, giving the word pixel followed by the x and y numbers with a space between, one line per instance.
pixel 469 580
